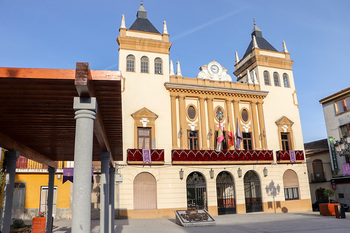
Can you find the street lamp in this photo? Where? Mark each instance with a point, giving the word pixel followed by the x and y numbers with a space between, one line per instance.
pixel 342 147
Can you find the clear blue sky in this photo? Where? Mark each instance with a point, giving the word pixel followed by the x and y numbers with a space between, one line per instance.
pixel 59 33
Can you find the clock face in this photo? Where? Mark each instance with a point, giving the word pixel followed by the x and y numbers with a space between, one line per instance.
pixel 214 69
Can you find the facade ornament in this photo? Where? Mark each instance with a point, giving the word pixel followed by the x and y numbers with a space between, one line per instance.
pixel 193 126
pixel 285 50
pixel 237 59
pixel 255 44
pixel 214 71
pixel 255 79
pixel 123 22
pixel 246 128
pixel 144 121
pixel 165 29
pixel 171 68
pixel 178 69
pixel 284 127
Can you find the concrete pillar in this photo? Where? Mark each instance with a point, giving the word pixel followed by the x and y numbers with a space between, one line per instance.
pixel 203 123
pixel 85 111
pixel 111 199
pixel 173 121
pixel 104 191
pixel 52 172
pixel 10 185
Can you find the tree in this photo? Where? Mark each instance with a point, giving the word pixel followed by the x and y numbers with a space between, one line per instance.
pixel 329 193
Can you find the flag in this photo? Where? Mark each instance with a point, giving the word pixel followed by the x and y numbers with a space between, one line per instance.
pixel 229 134
pixel 238 137
pixel 346 169
pixel 220 134
pixel 68 174
pixel 146 156
pixel 292 156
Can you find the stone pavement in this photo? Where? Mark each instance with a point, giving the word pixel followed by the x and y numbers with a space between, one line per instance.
pixel 237 223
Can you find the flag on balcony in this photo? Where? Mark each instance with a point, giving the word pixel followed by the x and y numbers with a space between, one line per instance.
pixel 292 156
pixel 220 138
pixel 146 156
pixel 238 137
pixel 68 174
pixel 346 169
pixel 229 134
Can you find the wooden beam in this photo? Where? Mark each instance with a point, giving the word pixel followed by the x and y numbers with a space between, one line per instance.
pixel 25 151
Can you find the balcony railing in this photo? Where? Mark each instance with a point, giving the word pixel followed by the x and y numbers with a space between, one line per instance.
pixel 283 156
pixel 135 156
pixel 25 163
pixel 317 177
pixel 222 157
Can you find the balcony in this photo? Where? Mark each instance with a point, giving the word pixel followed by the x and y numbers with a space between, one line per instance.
pixel 134 156
pixel 283 156
pixel 317 177
pixel 223 157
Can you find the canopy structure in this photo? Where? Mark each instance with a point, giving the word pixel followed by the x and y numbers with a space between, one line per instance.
pixel 37 116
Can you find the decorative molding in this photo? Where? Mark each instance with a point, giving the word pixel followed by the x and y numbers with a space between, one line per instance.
pixel 193 126
pixel 144 122
pixel 214 71
pixel 246 128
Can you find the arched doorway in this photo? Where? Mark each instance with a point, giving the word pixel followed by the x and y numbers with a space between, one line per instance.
pixel 225 189
pixel 252 191
pixel 145 192
pixel 196 191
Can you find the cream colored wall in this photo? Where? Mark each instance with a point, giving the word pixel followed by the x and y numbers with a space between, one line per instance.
pixel 146 90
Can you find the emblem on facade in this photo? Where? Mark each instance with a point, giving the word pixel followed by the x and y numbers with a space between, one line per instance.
pixel 214 71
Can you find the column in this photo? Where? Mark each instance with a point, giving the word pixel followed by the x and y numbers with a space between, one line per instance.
pixel 183 127
pixel 52 172
pixel 236 116
pixel 10 186
pixel 255 126
pixel 85 111
pixel 262 125
pixel 211 122
pixel 203 123
pixel 173 121
pixel 104 191
pixel 111 199
pixel 229 115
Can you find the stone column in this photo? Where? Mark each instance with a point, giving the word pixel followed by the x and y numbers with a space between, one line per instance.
pixel 173 121
pixel 211 122
pixel 183 144
pixel 104 191
pixel 255 126
pixel 262 126
pixel 85 111
pixel 203 123
pixel 10 186
pixel 51 185
pixel 111 199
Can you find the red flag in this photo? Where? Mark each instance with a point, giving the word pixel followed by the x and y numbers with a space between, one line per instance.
pixel 229 134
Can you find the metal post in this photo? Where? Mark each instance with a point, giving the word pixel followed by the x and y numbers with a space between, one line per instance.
pixel 49 218
pixel 111 199
pixel 104 191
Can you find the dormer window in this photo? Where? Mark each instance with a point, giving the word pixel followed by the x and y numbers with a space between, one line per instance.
pixel 130 63
pixel 144 64
pixel 276 79
pixel 158 63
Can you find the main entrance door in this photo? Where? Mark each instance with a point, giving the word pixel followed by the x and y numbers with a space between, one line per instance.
pixel 225 188
pixel 252 191
pixel 196 191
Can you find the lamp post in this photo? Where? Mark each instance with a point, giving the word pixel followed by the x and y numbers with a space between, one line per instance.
pixel 342 147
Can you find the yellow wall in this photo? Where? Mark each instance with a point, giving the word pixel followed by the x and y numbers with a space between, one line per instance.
pixel 33 187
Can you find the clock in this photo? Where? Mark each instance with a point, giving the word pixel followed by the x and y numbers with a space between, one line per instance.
pixel 214 69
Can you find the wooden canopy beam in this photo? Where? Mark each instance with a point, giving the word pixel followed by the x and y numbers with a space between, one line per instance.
pixel 25 151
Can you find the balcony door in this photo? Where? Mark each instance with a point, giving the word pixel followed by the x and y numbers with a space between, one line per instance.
pixel 144 138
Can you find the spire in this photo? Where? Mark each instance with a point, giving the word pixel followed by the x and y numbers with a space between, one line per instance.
pixel 142 13
pixel 123 22
pixel 171 68
pixel 178 69
pixel 165 29
pixel 255 44
pixel 236 56
pixel 256 31
pixel 285 50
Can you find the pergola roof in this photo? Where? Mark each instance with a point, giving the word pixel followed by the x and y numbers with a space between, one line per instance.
pixel 37 116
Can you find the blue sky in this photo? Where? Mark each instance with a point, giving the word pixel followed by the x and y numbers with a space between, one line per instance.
pixel 59 33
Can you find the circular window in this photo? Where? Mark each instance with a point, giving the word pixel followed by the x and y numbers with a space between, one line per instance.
pixel 191 111
pixel 219 114
pixel 245 115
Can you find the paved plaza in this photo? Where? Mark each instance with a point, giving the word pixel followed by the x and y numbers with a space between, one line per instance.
pixel 237 223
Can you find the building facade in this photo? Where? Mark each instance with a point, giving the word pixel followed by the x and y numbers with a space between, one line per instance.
pixel 177 120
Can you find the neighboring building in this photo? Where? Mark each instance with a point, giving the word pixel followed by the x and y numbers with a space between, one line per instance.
pixel 178 119
pixel 319 168
pixel 336 109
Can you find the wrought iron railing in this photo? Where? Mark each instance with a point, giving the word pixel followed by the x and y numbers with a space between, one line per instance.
pixel 284 156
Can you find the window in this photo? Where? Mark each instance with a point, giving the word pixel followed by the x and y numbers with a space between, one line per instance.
pixel 267 77
pixel 145 192
pixel 158 66
pixel 276 79
pixel 245 115
pixel 191 111
pixel 247 141
pixel 285 80
pixel 43 200
pixel 344 130
pixel 192 140
pixel 19 194
pixel 285 141
pixel 343 105
pixel 317 167
pixel 130 63
pixel 291 185
pixel 144 138
pixel 144 64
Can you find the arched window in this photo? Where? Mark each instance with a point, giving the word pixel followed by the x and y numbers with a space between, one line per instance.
pixel 276 79
pixel 285 80
pixel 144 64
pixel 267 77
pixel 145 192
pixel 130 63
pixel 158 63
pixel 291 185
pixel 317 166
